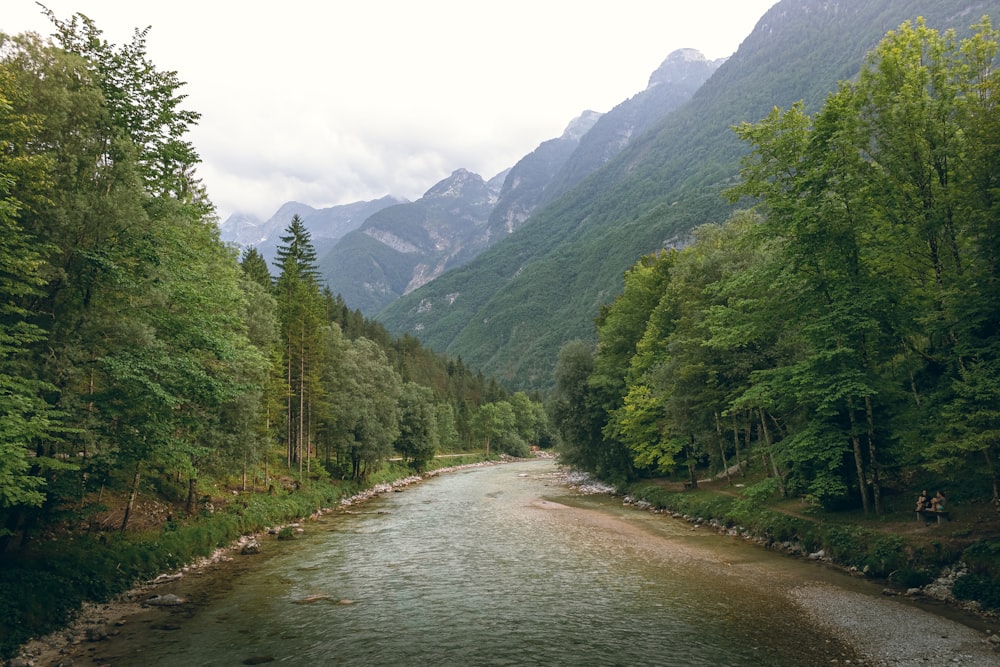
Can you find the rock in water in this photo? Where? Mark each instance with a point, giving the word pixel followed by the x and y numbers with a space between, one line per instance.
pixel 168 600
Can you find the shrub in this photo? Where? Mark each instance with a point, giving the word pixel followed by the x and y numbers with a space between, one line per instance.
pixel 980 588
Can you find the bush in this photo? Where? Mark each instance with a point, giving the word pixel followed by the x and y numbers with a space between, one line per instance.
pixel 980 588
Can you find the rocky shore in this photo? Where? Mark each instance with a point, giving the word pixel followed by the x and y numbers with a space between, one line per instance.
pixel 889 633
pixel 894 631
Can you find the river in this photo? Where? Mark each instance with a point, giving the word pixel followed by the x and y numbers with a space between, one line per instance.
pixel 499 565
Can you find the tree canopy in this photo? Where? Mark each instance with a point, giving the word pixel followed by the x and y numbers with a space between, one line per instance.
pixel 845 331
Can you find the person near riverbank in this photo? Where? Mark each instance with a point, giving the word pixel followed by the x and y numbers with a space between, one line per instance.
pixel 937 502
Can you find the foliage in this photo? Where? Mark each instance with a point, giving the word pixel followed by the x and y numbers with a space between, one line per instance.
pixel 845 329
pixel 511 309
pixel 140 354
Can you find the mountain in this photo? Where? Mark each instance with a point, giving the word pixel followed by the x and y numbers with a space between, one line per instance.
pixel 525 185
pixel 672 84
pixel 326 225
pixel 402 247
pixel 508 311
pixel 374 266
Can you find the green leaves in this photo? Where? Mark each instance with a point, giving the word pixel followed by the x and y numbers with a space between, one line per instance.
pixel 855 310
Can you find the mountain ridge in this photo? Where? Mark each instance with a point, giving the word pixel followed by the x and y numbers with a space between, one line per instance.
pixel 509 310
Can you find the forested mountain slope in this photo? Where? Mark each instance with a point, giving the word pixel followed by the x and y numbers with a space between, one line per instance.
pixel 326 225
pixel 510 310
pixel 401 249
pixel 403 246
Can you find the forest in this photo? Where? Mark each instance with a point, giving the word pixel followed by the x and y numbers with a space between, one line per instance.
pixel 839 331
pixel 142 355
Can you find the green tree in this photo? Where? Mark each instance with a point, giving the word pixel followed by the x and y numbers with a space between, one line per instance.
pixel 447 430
pixel 255 267
pixel 495 424
pixel 26 419
pixel 363 393
pixel 303 329
pixel 418 438
pixel 577 414
pixel 144 102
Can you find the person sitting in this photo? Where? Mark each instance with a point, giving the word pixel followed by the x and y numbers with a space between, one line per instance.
pixel 922 501
pixel 938 502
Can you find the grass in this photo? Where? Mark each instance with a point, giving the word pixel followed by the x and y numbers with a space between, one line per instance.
pixel 893 547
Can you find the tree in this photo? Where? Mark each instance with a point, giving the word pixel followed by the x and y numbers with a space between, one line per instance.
pixel 495 424
pixel 576 413
pixel 418 438
pixel 301 309
pixel 26 419
pixel 255 267
pixel 362 397
pixel 145 103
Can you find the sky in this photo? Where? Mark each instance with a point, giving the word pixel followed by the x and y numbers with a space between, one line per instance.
pixel 330 102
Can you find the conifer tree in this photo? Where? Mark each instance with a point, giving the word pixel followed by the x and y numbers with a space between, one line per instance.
pixel 303 326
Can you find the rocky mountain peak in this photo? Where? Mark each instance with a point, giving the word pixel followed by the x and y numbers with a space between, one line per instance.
pixel 460 184
pixel 580 125
pixel 681 65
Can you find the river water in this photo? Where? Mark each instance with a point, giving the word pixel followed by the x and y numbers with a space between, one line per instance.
pixel 498 565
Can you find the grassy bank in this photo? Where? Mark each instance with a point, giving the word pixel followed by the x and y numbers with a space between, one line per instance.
pixel 43 584
pixel 894 549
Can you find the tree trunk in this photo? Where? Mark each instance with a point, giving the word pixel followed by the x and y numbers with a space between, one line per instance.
pixel 288 407
pixel 736 448
pixel 993 474
pixel 873 459
pixel 302 404
pixel 192 493
pixel 770 453
pixel 689 459
pixel 131 496
pixel 858 462
pixel 722 448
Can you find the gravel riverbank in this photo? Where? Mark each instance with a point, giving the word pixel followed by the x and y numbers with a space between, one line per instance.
pixel 889 633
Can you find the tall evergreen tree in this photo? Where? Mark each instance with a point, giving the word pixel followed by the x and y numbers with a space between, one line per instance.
pixel 303 327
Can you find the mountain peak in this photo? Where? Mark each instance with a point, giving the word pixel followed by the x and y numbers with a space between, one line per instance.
pixel 456 185
pixel 680 66
pixel 580 125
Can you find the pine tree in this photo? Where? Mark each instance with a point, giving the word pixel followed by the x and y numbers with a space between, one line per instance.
pixel 303 326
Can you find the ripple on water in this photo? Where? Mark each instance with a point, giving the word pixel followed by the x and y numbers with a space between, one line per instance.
pixel 483 568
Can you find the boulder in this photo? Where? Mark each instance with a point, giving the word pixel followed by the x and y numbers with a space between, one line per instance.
pixel 168 600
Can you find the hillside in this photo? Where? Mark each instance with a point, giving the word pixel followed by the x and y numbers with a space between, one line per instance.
pixel 326 225
pixel 399 250
pixel 510 310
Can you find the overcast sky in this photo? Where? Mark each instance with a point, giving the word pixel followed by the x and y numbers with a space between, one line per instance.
pixel 334 101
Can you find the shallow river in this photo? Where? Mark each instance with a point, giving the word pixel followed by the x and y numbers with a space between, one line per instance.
pixel 497 565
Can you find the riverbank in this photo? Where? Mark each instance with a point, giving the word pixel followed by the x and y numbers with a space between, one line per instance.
pixel 894 630
pixel 98 622
pixel 883 631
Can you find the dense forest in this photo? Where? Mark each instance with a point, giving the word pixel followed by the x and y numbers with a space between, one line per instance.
pixel 142 355
pixel 840 331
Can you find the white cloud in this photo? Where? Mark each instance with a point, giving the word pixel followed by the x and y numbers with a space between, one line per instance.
pixel 328 102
